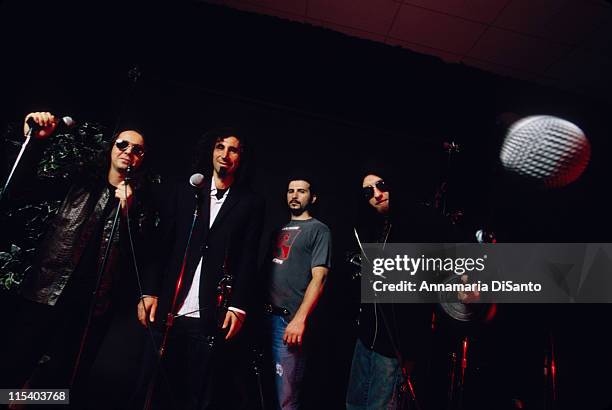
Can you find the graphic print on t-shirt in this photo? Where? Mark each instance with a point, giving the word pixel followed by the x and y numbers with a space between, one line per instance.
pixel 284 242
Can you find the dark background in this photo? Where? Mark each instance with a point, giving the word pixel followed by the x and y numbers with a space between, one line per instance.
pixel 320 100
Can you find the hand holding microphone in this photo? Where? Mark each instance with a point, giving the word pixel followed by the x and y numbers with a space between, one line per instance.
pixel 43 124
pixel 40 125
pixel 125 194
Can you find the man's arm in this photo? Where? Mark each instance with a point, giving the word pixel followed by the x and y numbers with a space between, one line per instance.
pixel 294 333
pixel 245 270
pixel 24 184
pixel 161 243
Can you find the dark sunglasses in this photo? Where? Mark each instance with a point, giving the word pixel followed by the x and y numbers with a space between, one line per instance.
pixel 137 149
pixel 368 191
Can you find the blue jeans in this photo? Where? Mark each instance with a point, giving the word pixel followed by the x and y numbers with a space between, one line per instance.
pixel 288 364
pixel 374 381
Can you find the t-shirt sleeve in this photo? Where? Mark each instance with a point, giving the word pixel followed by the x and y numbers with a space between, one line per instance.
pixel 321 247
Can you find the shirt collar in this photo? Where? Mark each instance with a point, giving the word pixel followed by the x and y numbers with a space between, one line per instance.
pixel 213 190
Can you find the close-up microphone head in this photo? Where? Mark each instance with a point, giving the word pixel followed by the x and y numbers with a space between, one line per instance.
pixel 68 122
pixel 128 174
pixel 197 180
pixel 546 150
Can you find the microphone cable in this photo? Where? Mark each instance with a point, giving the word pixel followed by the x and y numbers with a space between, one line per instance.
pixel 159 363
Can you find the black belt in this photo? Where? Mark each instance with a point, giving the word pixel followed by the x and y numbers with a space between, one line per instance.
pixel 275 310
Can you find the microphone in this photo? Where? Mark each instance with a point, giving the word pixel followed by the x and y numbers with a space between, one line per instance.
pixel 197 181
pixel 67 121
pixel 485 236
pixel 545 149
pixel 128 174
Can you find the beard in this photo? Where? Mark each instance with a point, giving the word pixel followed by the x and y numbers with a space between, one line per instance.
pixel 299 211
pixel 222 172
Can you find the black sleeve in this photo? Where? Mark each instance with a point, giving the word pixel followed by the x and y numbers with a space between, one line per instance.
pixel 260 296
pixel 161 240
pixel 245 270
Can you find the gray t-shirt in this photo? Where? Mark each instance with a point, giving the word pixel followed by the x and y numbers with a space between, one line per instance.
pixel 299 246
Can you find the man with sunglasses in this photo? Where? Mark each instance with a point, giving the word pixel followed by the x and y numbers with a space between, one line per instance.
pixel 390 336
pixel 59 318
pixel 375 191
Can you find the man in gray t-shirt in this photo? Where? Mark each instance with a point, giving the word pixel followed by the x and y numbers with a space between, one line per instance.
pixel 300 261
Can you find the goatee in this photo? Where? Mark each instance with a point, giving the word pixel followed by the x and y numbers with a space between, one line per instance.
pixel 296 211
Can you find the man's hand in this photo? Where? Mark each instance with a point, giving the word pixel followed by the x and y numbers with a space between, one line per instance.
pixel 468 297
pixel 120 193
pixel 45 120
pixel 234 320
pixel 294 333
pixel 147 306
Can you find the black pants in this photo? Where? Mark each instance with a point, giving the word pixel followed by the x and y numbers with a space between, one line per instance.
pixel 183 378
pixel 195 374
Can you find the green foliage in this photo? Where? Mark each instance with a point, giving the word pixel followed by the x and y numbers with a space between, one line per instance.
pixel 72 152
pixel 68 153
pixel 11 268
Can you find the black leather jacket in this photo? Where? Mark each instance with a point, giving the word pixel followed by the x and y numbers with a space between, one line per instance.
pixel 64 243
pixel 77 228
pixel 76 224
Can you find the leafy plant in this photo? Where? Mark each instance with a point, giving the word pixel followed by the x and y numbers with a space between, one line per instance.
pixel 69 153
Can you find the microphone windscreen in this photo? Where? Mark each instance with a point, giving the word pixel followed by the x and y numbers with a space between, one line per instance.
pixel 68 122
pixel 196 180
pixel 546 149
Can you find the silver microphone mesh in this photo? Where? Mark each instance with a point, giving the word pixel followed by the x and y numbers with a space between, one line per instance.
pixel 68 121
pixel 546 149
pixel 196 180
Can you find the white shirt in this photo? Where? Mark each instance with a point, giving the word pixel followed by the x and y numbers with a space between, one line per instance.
pixel 191 305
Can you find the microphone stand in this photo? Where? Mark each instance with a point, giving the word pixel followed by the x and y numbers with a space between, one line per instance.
pixel 224 293
pixel 408 395
pixel 441 196
pixel 171 314
pixel 550 375
pixel 457 382
pixel 28 137
pixel 92 304
pixel 257 366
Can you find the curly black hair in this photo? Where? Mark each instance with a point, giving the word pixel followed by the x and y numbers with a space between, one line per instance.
pixel 202 162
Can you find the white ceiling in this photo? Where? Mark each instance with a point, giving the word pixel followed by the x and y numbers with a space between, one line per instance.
pixel 564 43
